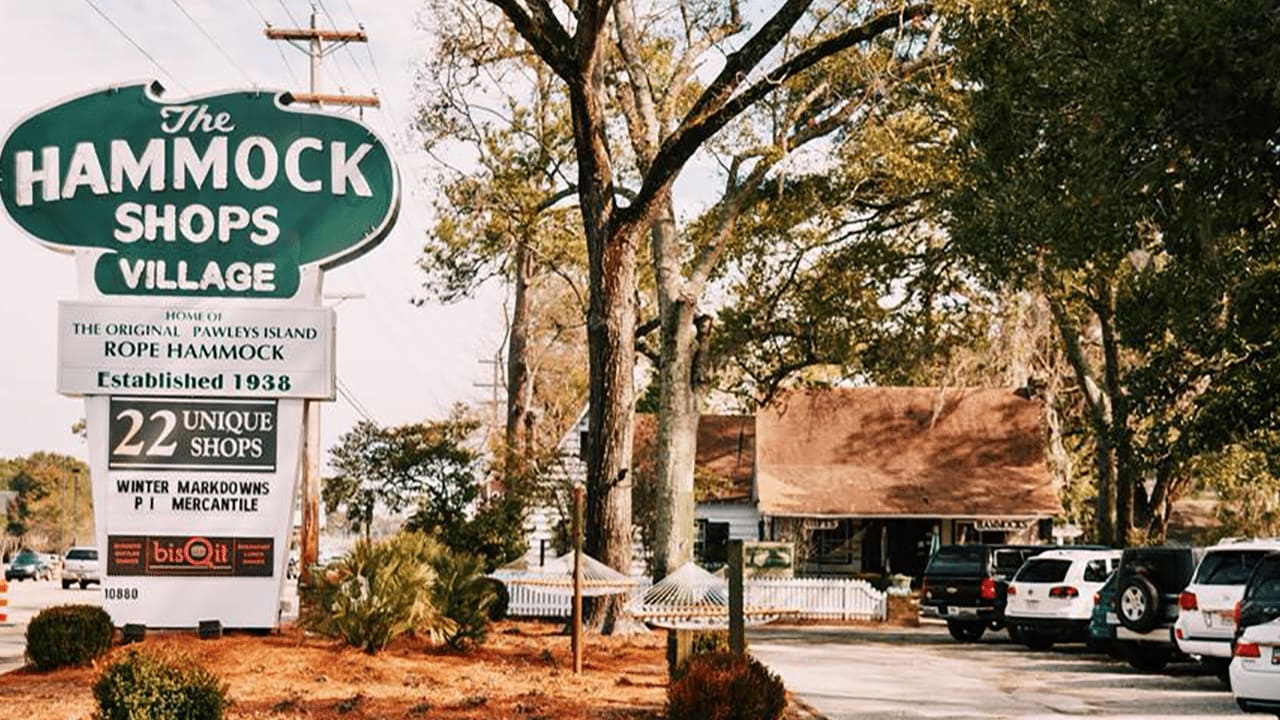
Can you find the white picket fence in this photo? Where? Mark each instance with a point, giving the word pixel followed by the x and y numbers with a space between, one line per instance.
pixel 803 598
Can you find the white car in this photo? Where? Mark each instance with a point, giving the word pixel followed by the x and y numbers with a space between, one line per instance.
pixel 1206 608
pixel 80 564
pixel 1051 598
pixel 1255 669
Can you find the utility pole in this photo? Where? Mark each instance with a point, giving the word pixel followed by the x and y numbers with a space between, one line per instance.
pixel 319 42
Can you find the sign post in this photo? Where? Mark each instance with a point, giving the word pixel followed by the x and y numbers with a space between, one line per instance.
pixel 201 230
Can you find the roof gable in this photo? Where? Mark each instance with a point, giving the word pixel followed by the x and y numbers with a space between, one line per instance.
pixel 902 451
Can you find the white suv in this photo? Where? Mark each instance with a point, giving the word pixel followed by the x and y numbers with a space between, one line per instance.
pixel 1051 598
pixel 80 564
pixel 1206 622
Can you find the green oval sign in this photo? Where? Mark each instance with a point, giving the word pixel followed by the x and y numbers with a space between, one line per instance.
pixel 227 195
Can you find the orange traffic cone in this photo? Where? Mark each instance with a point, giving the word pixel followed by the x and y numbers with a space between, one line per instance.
pixel 4 601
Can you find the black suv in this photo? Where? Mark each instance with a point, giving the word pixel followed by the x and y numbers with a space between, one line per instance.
pixel 965 585
pixel 1145 604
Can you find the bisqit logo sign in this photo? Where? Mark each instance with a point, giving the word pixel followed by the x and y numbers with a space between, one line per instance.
pixel 226 195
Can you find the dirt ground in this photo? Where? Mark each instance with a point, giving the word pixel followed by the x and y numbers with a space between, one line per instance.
pixel 523 672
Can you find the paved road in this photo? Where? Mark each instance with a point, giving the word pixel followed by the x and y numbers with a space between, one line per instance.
pixel 847 673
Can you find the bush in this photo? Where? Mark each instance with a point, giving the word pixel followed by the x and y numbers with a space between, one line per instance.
pixel 709 641
pixel 376 593
pixel 724 686
pixel 140 685
pixel 501 599
pixel 464 595
pixel 68 635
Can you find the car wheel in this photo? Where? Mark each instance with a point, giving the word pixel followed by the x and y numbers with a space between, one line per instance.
pixel 66 584
pixel 966 632
pixel 1036 640
pixel 1149 658
pixel 84 584
pixel 1015 633
pixel 1138 604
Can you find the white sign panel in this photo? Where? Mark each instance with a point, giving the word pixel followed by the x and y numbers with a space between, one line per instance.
pixel 194 350
pixel 194 515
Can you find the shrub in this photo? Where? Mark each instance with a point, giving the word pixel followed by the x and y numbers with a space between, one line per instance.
pixel 68 635
pixel 464 595
pixel 140 685
pixel 501 599
pixel 376 593
pixel 709 641
pixel 724 686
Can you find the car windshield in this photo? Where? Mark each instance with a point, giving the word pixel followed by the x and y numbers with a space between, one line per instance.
pixel 26 557
pixel 957 559
pixel 1043 570
pixel 82 554
pixel 1227 567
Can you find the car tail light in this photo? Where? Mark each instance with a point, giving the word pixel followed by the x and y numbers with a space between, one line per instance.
pixel 1063 591
pixel 1188 601
pixel 1097 599
pixel 1235 614
pixel 1248 650
pixel 1013 590
pixel 987 590
pixel 1177 633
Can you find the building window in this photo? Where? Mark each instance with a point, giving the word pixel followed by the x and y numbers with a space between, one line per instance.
pixel 711 545
pixel 831 542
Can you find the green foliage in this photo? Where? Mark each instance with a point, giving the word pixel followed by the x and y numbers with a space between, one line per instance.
pixel 140 685
pixel 428 464
pixel 725 686
pixel 463 595
pixel 68 635
pixel 1246 479
pixel 1120 158
pixel 710 641
pixel 379 591
pixel 495 531
pixel 41 479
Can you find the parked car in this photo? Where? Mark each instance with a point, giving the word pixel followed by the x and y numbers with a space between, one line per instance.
pixel 1050 599
pixel 1255 667
pixel 1148 583
pixel 1102 635
pixel 80 564
pixel 28 565
pixel 1206 624
pixel 965 585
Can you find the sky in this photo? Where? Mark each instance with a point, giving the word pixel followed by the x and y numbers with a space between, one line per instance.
pixel 397 363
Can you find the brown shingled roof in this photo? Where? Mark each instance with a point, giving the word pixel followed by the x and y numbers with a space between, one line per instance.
pixel 881 451
pixel 726 449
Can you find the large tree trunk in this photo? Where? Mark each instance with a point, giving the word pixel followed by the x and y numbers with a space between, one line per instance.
pixel 678 414
pixel 611 258
pixel 519 383
pixel 610 342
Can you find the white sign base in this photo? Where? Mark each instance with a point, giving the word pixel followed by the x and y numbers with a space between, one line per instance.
pixel 186 544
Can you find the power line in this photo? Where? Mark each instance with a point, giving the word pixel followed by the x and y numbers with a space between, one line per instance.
pixel 288 12
pixel 140 49
pixel 215 43
pixel 345 392
pixel 292 76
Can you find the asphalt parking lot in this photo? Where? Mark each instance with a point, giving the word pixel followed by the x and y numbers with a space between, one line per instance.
pixel 881 672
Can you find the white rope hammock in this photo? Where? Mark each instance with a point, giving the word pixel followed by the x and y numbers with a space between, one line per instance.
pixel 693 599
pixel 556 576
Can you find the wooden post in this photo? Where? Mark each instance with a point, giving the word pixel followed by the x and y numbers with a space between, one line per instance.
pixel 309 541
pixel 679 648
pixel 578 492
pixel 737 624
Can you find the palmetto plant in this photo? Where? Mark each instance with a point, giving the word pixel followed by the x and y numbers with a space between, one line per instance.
pixel 378 592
